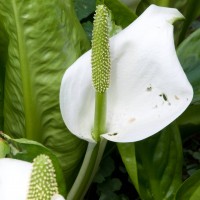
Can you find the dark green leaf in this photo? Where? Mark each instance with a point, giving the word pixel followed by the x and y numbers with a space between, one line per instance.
pixel 3 57
pixel 123 16
pixel 190 189
pixel 84 8
pixel 1 97
pixel 106 169
pixel 88 27
pixel 159 163
pixel 189 121
pixel 44 37
pixel 189 56
pixel 127 152
pixel 108 189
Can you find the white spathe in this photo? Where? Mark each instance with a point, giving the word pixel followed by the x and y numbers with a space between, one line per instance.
pixel 14 179
pixel 148 87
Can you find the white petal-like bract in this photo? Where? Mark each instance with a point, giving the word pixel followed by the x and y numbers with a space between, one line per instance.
pixel 148 87
pixel 14 179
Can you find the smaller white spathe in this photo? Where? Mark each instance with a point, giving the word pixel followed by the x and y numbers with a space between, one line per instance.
pixel 14 179
pixel 57 197
pixel 148 87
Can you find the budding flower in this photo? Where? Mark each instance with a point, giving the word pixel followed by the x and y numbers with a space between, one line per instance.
pixel 43 183
pixel 100 50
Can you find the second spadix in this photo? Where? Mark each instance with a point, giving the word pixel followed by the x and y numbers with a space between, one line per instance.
pixel 148 88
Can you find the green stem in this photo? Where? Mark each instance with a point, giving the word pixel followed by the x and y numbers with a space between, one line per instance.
pixel 88 170
pixel 100 115
pixel 94 151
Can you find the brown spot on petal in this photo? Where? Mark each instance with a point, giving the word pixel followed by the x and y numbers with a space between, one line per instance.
pixel 176 97
pixel 131 120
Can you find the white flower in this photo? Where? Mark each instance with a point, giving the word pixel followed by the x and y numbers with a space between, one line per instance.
pixel 148 87
pixel 15 179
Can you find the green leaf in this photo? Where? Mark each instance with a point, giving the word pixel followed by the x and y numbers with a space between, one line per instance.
pixel 108 188
pixel 27 150
pixel 189 121
pixel 189 56
pixel 159 164
pixel 84 8
pixel 191 10
pixel 45 38
pixel 1 97
pixel 4 148
pixel 106 169
pixel 88 26
pixel 127 152
pixel 190 189
pixel 123 16
pixel 3 57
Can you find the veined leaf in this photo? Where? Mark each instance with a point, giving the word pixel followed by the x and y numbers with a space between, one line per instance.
pixel 123 16
pixel 3 57
pixel 190 189
pixel 44 39
pixel 189 56
pixel 84 8
pixel 127 152
pixel 160 164
pixel 157 173
pixel 1 96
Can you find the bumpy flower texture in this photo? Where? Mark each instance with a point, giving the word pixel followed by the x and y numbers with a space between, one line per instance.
pixel 20 180
pixel 148 88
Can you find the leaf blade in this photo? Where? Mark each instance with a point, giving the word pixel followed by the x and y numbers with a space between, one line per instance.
pixel 190 189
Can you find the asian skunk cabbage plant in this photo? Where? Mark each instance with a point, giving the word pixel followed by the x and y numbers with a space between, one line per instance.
pixel 125 90
pixel 135 92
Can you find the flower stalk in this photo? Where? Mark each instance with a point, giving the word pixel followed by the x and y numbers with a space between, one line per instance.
pixel 100 60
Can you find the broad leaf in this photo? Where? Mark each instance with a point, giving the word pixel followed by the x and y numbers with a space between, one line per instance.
pixel 159 162
pixel 127 152
pixel 131 4
pixel 3 57
pixel 123 16
pixel 44 39
pixel 190 189
pixel 189 56
pixel 84 8
pixel 1 98
pixel 189 122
